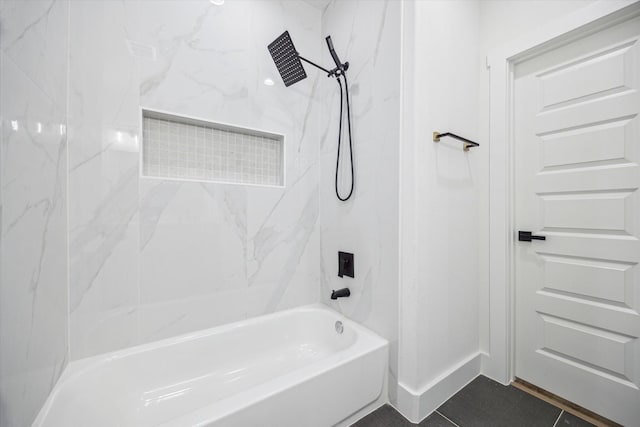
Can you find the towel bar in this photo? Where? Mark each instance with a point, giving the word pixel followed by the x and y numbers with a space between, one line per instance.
pixel 467 143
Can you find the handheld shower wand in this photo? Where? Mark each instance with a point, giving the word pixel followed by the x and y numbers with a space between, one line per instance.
pixel 288 62
pixel 340 71
pixel 340 67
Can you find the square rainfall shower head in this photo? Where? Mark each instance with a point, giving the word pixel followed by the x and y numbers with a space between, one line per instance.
pixel 286 58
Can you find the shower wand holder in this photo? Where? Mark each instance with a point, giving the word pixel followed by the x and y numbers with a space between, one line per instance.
pixel 338 71
pixel 340 66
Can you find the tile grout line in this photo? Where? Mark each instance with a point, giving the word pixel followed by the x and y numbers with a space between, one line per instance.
pixel 558 419
pixel 443 416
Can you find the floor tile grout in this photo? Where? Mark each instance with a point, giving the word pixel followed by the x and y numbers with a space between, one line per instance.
pixel 558 419
pixel 442 415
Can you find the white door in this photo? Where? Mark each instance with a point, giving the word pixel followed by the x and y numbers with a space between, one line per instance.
pixel 577 154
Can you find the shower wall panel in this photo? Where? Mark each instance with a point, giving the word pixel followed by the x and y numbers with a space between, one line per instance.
pixel 367 34
pixel 151 258
pixel 33 198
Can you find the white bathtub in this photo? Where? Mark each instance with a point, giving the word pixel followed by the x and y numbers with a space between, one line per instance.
pixel 289 368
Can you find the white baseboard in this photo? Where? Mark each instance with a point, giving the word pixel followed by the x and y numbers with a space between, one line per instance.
pixel 416 405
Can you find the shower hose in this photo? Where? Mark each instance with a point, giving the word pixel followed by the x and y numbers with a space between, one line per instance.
pixel 346 89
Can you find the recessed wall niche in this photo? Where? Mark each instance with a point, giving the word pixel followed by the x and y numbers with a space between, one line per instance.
pixel 183 148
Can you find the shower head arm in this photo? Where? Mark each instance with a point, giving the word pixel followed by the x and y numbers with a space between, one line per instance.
pixel 315 65
pixel 330 73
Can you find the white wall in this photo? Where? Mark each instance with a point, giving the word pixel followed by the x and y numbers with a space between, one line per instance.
pixel 152 258
pixel 367 34
pixel 33 155
pixel 439 341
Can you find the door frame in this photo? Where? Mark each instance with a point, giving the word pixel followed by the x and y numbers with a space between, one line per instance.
pixel 499 362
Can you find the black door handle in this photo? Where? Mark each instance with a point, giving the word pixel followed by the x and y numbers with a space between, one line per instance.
pixel 526 236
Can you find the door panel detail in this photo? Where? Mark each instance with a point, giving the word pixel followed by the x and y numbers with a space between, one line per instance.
pixel 606 281
pixel 598 348
pixel 577 169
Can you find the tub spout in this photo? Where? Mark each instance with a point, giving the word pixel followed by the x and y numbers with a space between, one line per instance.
pixel 340 293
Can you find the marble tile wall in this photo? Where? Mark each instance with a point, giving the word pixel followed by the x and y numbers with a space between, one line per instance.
pixel 367 34
pixel 104 141
pixel 151 258
pixel 33 197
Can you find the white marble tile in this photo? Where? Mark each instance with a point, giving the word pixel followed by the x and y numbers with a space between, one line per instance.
pixel 202 63
pixel 103 178
pixel 166 319
pixel 34 37
pixel 104 330
pixel 193 239
pixel 283 246
pixel 367 34
pixel 283 242
pixel 33 274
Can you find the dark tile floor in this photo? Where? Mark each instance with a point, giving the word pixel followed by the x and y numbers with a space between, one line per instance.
pixel 482 403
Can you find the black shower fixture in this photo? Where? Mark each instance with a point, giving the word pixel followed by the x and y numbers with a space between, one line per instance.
pixel 289 64
pixel 288 60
